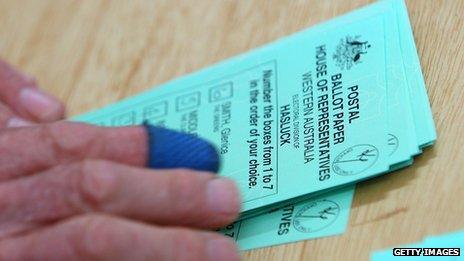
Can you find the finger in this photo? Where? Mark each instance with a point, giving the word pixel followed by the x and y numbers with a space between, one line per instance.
pixel 26 151
pixel 95 237
pixel 21 94
pixel 10 120
pixel 168 197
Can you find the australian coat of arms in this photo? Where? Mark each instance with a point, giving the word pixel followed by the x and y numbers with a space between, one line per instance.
pixel 349 52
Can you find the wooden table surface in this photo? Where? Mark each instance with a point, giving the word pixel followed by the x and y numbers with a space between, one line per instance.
pixel 92 53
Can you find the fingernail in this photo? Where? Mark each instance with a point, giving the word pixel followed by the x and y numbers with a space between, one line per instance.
pixel 18 122
pixel 40 105
pixel 172 149
pixel 222 249
pixel 223 196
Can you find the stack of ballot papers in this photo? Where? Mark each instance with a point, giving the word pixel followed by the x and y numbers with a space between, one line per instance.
pixel 443 247
pixel 299 121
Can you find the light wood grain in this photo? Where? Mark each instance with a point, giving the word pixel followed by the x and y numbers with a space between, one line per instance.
pixel 91 53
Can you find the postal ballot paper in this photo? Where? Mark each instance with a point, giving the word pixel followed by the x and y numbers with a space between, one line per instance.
pixel 328 214
pixel 298 120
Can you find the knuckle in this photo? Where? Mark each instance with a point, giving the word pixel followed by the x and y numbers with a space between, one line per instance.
pixel 67 139
pixel 96 182
pixel 54 134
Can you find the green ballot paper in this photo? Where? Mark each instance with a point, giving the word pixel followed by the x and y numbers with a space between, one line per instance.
pixel 291 119
pixel 299 121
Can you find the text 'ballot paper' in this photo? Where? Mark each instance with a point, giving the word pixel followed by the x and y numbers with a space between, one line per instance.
pixel 300 119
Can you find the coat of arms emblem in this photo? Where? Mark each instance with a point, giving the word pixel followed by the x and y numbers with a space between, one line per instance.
pixel 350 51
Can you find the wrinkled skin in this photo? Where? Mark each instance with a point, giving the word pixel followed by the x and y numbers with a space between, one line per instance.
pixel 72 191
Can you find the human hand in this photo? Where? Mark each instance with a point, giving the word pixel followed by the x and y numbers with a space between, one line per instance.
pixel 71 191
